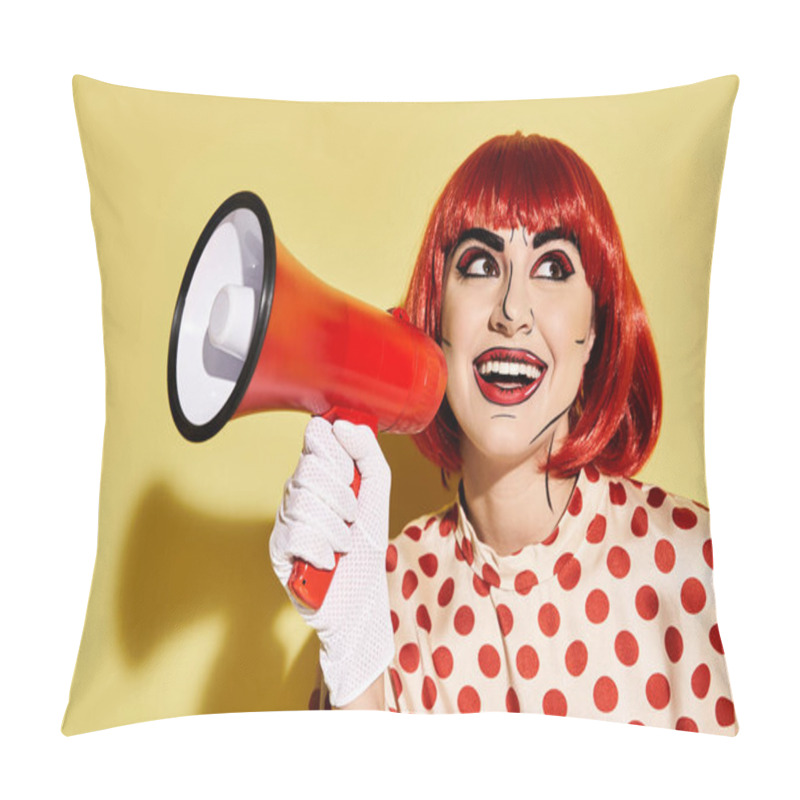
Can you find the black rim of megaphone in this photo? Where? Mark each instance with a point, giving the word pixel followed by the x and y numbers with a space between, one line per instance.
pixel 199 433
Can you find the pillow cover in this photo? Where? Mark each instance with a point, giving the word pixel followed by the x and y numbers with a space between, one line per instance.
pixel 185 616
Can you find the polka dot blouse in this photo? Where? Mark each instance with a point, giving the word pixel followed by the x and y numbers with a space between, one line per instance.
pixel 612 617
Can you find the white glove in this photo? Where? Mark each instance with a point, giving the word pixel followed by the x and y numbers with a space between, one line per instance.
pixel 320 516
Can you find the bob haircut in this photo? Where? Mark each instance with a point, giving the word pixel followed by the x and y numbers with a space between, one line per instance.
pixel 539 184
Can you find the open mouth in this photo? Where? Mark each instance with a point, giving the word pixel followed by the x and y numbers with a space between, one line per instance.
pixel 508 377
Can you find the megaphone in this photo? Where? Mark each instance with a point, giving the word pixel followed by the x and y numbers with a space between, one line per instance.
pixel 253 330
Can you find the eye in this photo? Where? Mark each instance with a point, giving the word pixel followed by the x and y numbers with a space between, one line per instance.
pixel 553 266
pixel 477 263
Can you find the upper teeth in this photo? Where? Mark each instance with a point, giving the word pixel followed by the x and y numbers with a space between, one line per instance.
pixel 509 368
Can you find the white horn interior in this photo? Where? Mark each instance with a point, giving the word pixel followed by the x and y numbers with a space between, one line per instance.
pixel 223 296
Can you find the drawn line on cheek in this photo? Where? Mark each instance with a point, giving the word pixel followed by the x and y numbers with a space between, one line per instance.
pixel 446 343
pixel 504 416
pixel 552 421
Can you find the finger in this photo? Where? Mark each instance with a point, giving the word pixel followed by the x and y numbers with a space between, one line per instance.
pixel 302 507
pixel 315 474
pixel 306 544
pixel 361 444
pixel 319 439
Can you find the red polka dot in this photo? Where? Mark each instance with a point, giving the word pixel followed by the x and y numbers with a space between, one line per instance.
pixel 693 596
pixel 464 620
pixel 724 712
pixel 673 642
pixel 665 556
pixel 708 553
pixel 391 558
pixel 490 575
pixel 656 497
pixel 423 618
pixel 449 521
pixel 480 586
pixel 442 661
pixel 686 724
pixel 618 562
pixel 429 564
pixel 410 581
pixel 554 703
pixel 466 547
pixel 647 602
pixel 428 692
pixel 597 606
pixel 395 621
pixel 512 702
pixel 505 619
pixel 568 570
pixel 627 648
pixel 591 473
pixel 639 522
pixel 527 662
pixel 715 639
pixel 576 657
pixel 549 619
pixel 489 661
pixel 605 694
pixel 430 522
pixel 684 518
pixel 413 532
pixel 657 691
pixel 551 538
pixel 701 680
pixel 597 529
pixel 636 722
pixel 575 503
pixel 446 592
pixel 409 657
pixel 469 702
pixel 397 684
pixel 617 493
pixel 525 581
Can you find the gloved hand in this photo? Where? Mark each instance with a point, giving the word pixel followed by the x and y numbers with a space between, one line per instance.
pixel 320 516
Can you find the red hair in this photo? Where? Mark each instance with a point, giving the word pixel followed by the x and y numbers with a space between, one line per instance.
pixel 539 184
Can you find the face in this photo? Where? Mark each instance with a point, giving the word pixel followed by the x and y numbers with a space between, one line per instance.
pixel 517 331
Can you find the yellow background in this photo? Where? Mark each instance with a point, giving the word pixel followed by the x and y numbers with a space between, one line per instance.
pixel 185 615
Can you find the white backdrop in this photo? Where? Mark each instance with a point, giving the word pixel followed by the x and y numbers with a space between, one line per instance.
pixel 53 384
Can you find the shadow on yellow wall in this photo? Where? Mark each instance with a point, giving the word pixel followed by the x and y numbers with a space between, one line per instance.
pixel 181 566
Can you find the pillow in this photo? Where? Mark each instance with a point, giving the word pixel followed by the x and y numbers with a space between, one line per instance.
pixel 185 615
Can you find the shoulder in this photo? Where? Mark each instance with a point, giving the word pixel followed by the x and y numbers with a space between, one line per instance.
pixel 663 528
pixel 647 506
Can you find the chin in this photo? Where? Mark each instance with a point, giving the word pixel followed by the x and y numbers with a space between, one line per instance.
pixel 503 441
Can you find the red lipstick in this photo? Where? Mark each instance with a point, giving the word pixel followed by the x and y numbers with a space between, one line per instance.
pixel 508 377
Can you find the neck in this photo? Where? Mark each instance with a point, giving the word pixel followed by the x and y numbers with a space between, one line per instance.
pixel 512 504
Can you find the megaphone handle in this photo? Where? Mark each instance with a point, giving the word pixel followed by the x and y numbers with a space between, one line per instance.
pixel 307 583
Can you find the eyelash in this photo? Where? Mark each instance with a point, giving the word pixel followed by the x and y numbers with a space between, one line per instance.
pixel 557 257
pixel 469 257
pixel 560 259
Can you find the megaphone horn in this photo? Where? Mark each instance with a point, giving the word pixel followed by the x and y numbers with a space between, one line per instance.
pixel 253 330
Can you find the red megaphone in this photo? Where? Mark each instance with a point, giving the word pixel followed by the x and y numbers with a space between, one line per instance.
pixel 253 330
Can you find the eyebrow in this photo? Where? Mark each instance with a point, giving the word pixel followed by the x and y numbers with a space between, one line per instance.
pixel 488 238
pixel 544 237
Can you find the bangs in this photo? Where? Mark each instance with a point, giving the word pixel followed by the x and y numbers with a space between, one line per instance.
pixel 513 182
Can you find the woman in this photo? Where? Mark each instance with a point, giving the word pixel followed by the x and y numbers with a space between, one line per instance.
pixel 555 584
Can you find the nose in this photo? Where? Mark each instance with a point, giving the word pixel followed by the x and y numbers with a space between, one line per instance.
pixel 513 311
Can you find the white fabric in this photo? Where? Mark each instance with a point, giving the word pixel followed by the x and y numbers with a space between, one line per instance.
pixel 320 516
pixel 612 617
